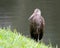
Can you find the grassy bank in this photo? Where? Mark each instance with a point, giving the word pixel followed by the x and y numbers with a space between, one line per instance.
pixel 11 39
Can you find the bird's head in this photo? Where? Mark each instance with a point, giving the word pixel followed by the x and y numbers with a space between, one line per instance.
pixel 37 11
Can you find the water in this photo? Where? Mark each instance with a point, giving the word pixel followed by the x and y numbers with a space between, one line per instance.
pixel 15 13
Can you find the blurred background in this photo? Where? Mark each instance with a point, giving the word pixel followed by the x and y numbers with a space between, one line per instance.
pixel 15 13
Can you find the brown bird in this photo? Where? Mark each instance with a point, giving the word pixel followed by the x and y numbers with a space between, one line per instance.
pixel 37 24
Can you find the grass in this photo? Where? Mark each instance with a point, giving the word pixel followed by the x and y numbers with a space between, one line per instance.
pixel 11 39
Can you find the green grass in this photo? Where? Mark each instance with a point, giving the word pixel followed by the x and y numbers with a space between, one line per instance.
pixel 11 39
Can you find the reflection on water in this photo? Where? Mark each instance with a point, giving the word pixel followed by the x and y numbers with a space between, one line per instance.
pixel 15 13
